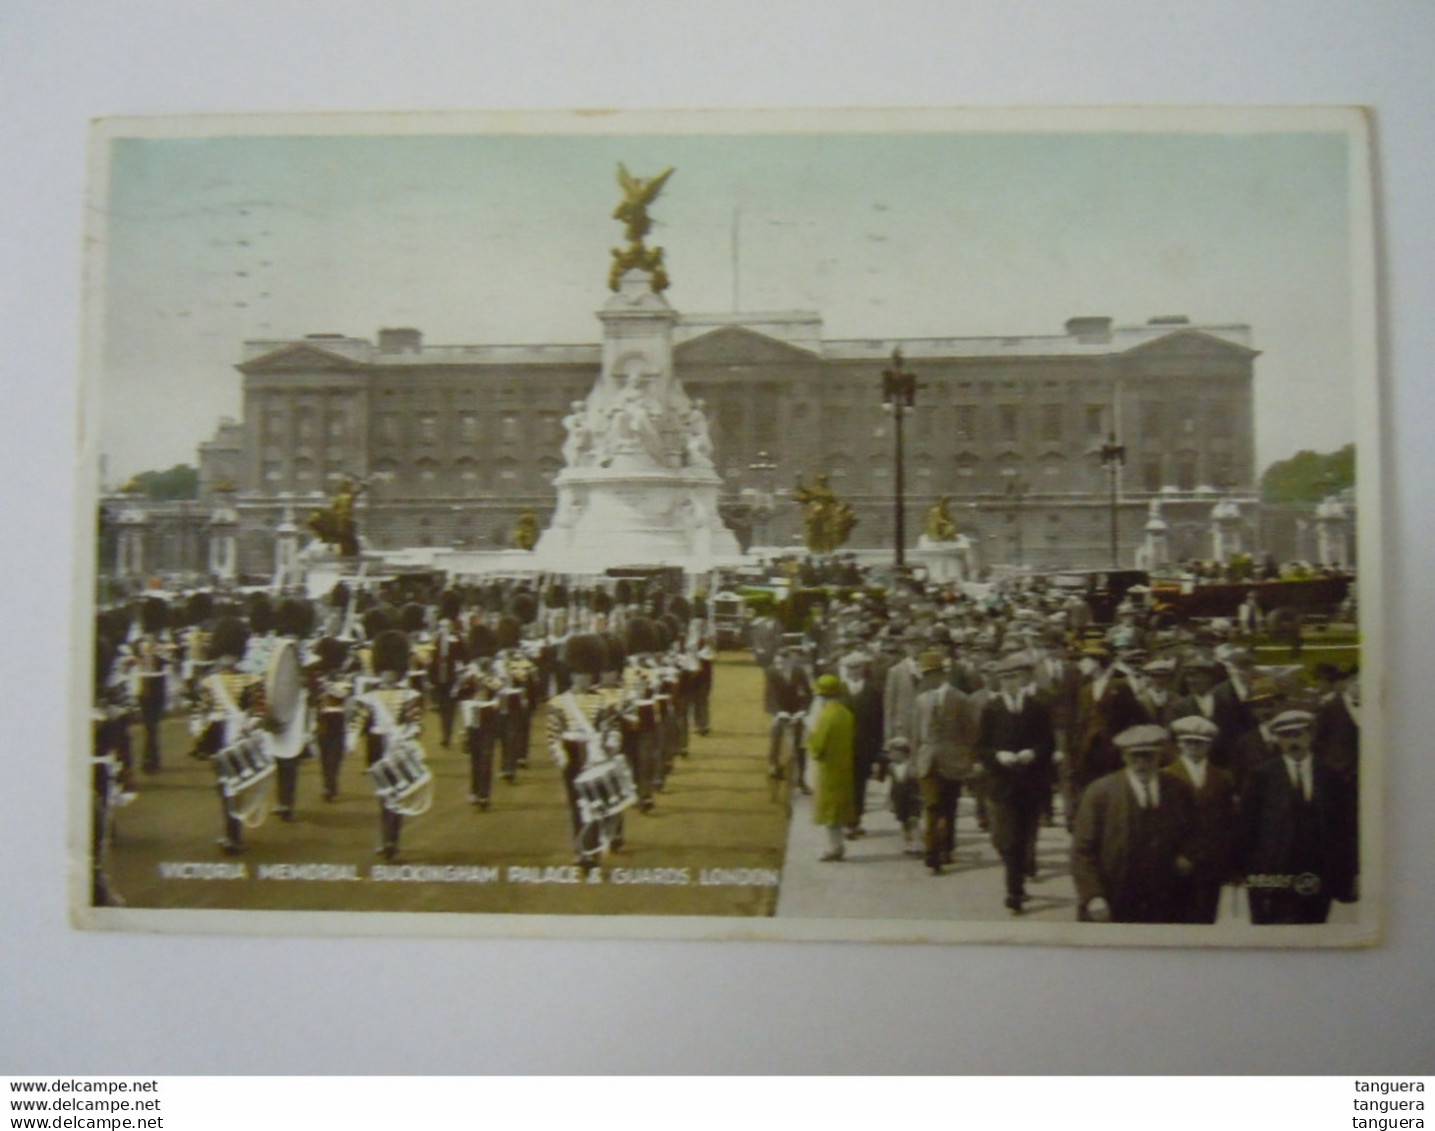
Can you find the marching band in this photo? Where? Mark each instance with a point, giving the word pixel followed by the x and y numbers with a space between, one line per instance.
pixel 270 685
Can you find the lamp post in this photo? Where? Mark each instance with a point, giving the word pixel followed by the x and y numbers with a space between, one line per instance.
pixel 1016 488
pixel 899 394
pixel 1113 459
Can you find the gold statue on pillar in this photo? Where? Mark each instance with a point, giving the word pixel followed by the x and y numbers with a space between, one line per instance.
pixel 828 521
pixel 940 526
pixel 525 532
pixel 632 210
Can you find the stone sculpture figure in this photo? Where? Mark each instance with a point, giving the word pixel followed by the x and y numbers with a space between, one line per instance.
pixel 578 447
pixel 697 440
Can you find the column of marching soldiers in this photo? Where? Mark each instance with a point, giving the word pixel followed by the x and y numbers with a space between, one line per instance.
pixel 269 685
pixel 1193 783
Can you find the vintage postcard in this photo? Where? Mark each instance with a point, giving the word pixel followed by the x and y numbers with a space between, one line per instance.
pixel 932 526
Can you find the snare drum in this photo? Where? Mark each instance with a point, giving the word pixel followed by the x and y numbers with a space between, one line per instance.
pixel 243 764
pixel 604 790
pixel 402 781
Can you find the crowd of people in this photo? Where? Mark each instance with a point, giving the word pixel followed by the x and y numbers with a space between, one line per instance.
pixel 620 675
pixel 1179 767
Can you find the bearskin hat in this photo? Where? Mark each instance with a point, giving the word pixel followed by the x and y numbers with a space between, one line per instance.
pixel 510 632
pixel 376 620
pixel 391 652
pixel 584 654
pixel 261 614
pixel 493 598
pixel 700 606
pixel 450 605
pixel 642 636
pixel 614 654
pixel 199 608
pixel 680 608
pixel 657 603
pixel 294 618
pixel 601 601
pixel 412 617
pixel 154 614
pixel 524 606
pixel 229 638
pixel 556 596
pixel 339 595
pixel 623 591
pixel 482 642
pixel 330 653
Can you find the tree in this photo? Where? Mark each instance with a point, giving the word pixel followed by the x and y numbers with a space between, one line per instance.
pixel 1308 477
pixel 180 482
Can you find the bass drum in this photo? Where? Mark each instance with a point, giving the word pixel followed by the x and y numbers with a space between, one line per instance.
pixel 283 686
pixel 286 701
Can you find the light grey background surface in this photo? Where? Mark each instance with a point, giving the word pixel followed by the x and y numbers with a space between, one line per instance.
pixel 75 1002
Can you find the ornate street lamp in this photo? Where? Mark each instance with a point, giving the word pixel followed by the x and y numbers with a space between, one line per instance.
pixel 899 394
pixel 1113 458
pixel 1016 489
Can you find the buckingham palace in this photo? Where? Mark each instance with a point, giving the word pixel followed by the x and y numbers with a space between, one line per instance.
pixel 457 441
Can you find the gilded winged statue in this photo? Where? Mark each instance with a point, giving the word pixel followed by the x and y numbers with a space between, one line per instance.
pixel 632 210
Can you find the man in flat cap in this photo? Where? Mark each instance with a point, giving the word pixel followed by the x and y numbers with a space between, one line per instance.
pixel 945 745
pixel 1129 854
pixel 1015 744
pixel 1298 831
pixel 1258 745
pixel 788 697
pixel 1212 848
pixel 1106 706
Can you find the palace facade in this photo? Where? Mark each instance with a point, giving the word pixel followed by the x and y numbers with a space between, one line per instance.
pixel 456 441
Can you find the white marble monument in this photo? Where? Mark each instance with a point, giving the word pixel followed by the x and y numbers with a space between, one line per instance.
pixel 638 486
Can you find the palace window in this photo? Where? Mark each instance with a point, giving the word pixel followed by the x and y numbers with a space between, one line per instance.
pixel 1051 422
pixel 1094 416
pixel 966 425
pixel 1008 418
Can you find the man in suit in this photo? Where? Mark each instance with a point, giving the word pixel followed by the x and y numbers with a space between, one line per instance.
pixel 446 663
pixel 1129 854
pixel 1258 745
pixel 1106 706
pixel 945 744
pixel 1298 831
pixel 864 700
pixel 899 727
pixel 788 696
pixel 1015 745
pixel 1212 848
pixel 1059 685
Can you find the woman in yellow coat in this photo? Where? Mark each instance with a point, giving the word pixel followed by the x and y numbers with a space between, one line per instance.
pixel 830 743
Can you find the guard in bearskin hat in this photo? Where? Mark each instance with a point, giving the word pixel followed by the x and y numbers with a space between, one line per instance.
pixel 152 655
pixel 229 708
pixel 583 726
pixel 389 713
pixel 479 695
pixel 330 688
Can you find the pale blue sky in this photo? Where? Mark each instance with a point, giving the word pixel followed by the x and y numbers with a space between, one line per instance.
pixel 505 239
